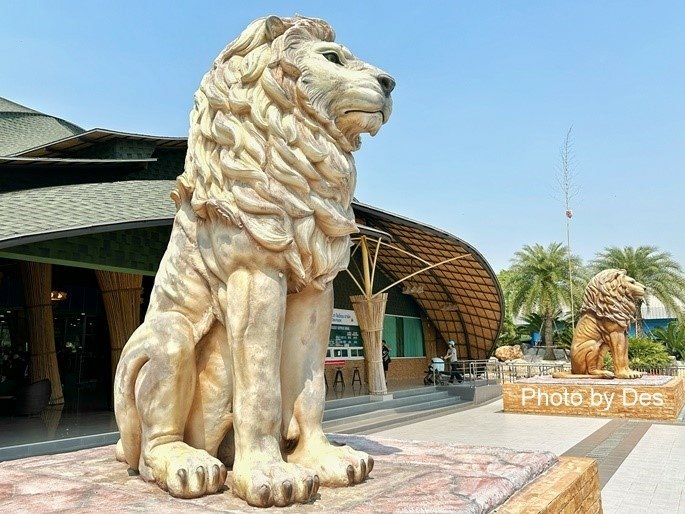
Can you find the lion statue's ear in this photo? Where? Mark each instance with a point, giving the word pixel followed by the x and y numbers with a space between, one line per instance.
pixel 274 27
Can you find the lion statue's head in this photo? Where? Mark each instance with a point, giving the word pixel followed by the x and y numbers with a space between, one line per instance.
pixel 612 294
pixel 271 134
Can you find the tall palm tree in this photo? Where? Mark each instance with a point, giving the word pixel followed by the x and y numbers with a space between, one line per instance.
pixel 537 283
pixel 657 271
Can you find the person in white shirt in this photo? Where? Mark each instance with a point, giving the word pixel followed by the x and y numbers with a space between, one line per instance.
pixel 451 357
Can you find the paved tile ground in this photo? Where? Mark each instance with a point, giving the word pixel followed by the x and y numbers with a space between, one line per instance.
pixel 641 464
pixel 610 445
pixel 488 425
pixel 652 477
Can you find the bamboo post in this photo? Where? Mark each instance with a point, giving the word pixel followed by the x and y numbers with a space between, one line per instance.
pixel 121 296
pixel 370 313
pixel 36 280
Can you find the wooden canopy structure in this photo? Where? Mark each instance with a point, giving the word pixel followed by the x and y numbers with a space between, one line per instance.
pixel 462 298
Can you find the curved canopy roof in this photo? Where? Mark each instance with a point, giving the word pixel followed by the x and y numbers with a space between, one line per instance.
pixel 462 297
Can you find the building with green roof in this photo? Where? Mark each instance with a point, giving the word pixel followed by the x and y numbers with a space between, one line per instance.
pixel 85 216
pixel 22 128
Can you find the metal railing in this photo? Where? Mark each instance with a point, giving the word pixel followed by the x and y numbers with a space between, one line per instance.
pixel 484 372
pixel 471 372
pixel 673 370
pixel 511 371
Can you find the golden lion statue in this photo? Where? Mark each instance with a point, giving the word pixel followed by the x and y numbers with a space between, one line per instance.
pixel 228 367
pixel 608 309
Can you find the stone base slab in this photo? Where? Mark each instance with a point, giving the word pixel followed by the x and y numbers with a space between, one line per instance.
pixel 651 397
pixel 407 477
pixel 570 487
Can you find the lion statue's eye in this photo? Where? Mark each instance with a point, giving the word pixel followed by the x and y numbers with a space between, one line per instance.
pixel 333 57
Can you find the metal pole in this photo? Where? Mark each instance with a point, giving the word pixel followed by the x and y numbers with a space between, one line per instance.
pixel 570 272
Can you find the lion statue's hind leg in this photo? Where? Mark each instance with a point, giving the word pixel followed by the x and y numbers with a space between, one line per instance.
pixel 211 417
pixel 162 391
pixel 156 379
pixel 587 361
pixel 595 361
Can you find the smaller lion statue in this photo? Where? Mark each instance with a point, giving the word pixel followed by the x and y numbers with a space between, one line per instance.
pixel 609 306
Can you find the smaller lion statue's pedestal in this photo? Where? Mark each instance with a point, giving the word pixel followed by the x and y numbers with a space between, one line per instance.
pixel 649 397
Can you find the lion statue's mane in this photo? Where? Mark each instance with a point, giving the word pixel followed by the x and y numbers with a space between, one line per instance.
pixel 606 296
pixel 263 158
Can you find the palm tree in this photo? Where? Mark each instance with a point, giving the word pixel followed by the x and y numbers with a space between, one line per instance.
pixel 537 283
pixel 657 271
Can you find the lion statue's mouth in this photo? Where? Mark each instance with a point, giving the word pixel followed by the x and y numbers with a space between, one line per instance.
pixel 354 122
pixel 361 111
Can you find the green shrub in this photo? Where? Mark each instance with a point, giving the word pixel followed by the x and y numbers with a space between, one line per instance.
pixel 608 362
pixel 673 338
pixel 643 353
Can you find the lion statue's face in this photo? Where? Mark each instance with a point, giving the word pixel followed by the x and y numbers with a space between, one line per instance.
pixel 632 287
pixel 613 294
pixel 352 93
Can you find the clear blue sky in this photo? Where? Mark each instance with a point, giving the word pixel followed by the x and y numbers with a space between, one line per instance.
pixel 485 94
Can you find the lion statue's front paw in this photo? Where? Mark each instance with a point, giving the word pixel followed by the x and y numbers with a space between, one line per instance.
pixel 265 484
pixel 603 373
pixel 629 373
pixel 184 471
pixel 337 466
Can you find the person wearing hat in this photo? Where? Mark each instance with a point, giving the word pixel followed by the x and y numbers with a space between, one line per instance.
pixel 451 357
pixel 385 353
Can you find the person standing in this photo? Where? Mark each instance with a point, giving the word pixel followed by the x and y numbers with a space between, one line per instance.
pixel 385 353
pixel 451 357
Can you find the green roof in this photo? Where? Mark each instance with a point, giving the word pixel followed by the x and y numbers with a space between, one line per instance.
pixel 49 212
pixel 10 106
pixel 22 128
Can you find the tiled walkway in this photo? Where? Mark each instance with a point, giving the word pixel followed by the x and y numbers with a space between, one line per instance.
pixel 641 464
pixel 610 445
pixel 488 425
pixel 652 477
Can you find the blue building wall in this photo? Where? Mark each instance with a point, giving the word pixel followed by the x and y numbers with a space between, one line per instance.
pixel 650 324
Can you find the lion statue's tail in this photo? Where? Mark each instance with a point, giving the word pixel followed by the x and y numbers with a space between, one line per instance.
pixel 129 446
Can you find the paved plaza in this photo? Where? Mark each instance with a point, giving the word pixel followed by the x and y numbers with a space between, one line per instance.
pixel 641 463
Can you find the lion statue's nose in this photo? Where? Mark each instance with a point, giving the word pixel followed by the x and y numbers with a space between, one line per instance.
pixel 387 83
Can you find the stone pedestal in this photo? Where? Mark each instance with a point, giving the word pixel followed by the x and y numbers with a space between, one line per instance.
pixel 570 487
pixel 649 397
pixel 407 477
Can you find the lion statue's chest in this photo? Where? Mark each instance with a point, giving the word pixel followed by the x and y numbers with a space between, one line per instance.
pixel 221 249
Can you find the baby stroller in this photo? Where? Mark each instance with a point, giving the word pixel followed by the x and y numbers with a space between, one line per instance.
pixel 435 373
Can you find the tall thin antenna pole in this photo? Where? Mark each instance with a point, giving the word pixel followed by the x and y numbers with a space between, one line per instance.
pixel 566 183
pixel 569 215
